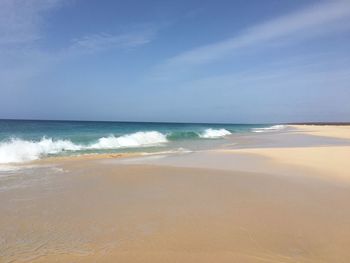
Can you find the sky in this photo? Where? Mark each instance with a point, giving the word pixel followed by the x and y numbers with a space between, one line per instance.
pixel 231 61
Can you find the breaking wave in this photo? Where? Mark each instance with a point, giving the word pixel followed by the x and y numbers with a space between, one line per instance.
pixel 137 139
pixel 272 128
pixel 17 150
pixel 214 133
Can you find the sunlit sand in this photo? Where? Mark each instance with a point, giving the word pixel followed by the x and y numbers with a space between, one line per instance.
pixel 258 200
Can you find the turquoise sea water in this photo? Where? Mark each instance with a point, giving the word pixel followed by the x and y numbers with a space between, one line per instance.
pixel 26 140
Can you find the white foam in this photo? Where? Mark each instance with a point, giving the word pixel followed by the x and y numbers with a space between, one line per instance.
pixel 272 128
pixel 17 150
pixel 214 133
pixel 138 139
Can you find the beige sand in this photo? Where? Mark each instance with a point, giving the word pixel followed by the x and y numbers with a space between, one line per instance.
pixel 336 131
pixel 330 162
pixel 160 214
pixel 96 211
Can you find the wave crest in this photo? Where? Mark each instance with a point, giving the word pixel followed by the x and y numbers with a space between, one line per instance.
pixel 272 128
pixel 138 139
pixel 17 150
pixel 214 133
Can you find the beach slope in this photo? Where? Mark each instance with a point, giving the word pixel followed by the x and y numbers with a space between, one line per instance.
pixel 271 197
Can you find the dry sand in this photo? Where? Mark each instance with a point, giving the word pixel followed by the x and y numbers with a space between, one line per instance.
pixel 331 163
pixel 336 131
pixel 238 205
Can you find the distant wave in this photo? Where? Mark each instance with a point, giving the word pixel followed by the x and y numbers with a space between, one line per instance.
pixel 192 135
pixel 17 150
pixel 272 128
pixel 214 133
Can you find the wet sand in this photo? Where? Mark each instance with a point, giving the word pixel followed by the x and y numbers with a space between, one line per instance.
pixel 274 197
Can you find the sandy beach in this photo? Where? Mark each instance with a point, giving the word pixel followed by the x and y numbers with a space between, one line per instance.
pixel 174 131
pixel 281 196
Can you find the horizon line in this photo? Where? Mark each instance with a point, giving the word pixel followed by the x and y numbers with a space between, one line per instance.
pixel 174 122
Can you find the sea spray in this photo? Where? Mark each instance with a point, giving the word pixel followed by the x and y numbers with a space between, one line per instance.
pixel 214 133
pixel 18 150
pixel 138 139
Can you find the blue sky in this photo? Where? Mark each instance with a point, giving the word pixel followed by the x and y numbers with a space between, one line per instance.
pixel 188 61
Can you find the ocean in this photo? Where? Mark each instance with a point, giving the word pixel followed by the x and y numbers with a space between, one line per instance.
pixel 28 140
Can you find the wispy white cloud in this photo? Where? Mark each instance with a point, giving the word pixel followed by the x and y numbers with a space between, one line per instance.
pixel 103 41
pixel 21 20
pixel 23 23
pixel 316 20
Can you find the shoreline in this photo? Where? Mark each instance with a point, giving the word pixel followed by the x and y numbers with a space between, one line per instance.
pixel 334 131
pixel 88 156
pixel 323 130
pixel 244 148
pixel 264 197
